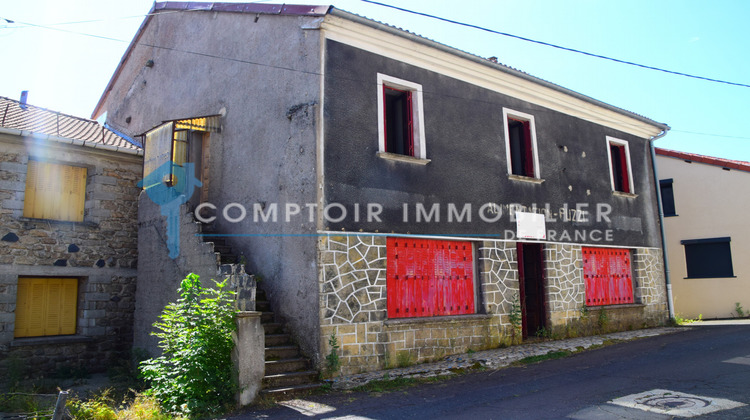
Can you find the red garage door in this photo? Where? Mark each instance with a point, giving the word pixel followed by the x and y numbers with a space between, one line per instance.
pixel 608 277
pixel 429 278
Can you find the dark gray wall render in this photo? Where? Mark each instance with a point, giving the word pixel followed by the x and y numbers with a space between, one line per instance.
pixel 465 142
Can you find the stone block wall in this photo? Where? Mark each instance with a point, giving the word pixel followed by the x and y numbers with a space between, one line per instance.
pixel 353 308
pixel 353 303
pixel 650 289
pixel 566 291
pixel 101 252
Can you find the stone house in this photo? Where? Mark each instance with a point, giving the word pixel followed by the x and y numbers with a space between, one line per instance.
pixel 408 198
pixel 68 239
pixel 705 232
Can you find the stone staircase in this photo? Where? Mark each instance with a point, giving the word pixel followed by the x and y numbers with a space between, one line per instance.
pixel 287 371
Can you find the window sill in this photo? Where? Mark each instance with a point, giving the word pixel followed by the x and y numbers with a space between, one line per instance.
pixel 624 194
pixel 671 215
pixel 403 158
pixel 709 278
pixel 431 319
pixel 528 179
pixel 52 339
pixel 70 222
pixel 616 306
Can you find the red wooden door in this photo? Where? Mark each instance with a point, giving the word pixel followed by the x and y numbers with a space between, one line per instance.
pixel 428 277
pixel 608 276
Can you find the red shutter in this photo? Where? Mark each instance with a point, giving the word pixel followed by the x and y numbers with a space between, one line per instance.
pixel 624 169
pixel 608 277
pixel 528 157
pixel 429 278
pixel 409 124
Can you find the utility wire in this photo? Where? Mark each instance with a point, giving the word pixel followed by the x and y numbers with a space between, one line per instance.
pixel 468 25
pixel 712 135
pixel 142 44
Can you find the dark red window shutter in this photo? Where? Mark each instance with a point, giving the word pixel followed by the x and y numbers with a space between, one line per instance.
pixel 409 124
pixel 398 121
pixel 429 278
pixel 608 276
pixel 619 167
pixel 528 158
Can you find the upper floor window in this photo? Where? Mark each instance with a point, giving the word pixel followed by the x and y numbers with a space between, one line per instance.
pixel 54 191
pixel 667 197
pixel 400 117
pixel 620 171
pixel 520 144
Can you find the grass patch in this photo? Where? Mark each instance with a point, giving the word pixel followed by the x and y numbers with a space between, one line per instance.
pixel 542 357
pixel 386 385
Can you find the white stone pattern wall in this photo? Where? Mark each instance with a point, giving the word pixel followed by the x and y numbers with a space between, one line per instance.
pixel 498 277
pixel 650 289
pixel 353 285
pixel 566 290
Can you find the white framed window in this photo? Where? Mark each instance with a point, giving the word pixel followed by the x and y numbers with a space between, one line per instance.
pixel 400 117
pixel 620 171
pixel 520 144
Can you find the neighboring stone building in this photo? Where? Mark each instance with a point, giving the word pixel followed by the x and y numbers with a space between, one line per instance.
pixel 411 199
pixel 708 237
pixel 68 237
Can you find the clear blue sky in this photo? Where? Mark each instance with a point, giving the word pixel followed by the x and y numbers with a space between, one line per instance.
pixel 67 72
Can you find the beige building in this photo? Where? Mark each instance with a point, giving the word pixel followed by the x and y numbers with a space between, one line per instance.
pixel 705 201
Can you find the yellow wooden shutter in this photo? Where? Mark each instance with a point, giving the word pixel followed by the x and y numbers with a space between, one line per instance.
pixel 32 173
pixel 52 304
pixel 46 306
pixel 54 191
pixel 74 193
pixel 68 306
pixel 22 308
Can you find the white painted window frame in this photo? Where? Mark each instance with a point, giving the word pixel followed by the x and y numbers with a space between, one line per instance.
pixel 417 105
pixel 619 142
pixel 522 116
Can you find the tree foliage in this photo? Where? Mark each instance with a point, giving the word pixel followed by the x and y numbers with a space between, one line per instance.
pixel 194 375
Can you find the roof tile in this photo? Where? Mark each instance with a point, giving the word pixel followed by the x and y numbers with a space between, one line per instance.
pixel 15 115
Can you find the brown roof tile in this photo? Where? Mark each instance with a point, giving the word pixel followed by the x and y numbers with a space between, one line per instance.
pixel 710 160
pixel 18 116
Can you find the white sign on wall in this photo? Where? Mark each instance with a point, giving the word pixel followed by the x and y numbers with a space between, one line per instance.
pixel 530 226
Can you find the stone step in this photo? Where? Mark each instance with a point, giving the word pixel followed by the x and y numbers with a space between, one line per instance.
pixel 275 367
pixel 290 378
pixel 266 317
pixel 273 328
pixel 290 390
pixel 282 352
pixel 229 259
pixel 261 305
pixel 278 340
pixel 222 249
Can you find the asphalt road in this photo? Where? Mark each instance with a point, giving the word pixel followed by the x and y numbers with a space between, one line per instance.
pixel 576 387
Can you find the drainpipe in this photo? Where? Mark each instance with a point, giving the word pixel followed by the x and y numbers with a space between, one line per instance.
pixel 667 282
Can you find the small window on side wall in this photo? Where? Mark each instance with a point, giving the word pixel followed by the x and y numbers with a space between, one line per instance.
pixel 46 306
pixel 667 197
pixel 54 191
pixel 708 258
pixel 520 144
pixel 400 117
pixel 620 172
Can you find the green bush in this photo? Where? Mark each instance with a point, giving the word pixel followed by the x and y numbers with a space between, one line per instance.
pixel 194 375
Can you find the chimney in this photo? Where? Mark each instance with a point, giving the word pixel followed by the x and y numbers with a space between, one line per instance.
pixel 24 96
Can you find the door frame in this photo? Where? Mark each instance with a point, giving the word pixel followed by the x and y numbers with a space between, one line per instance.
pixel 522 286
